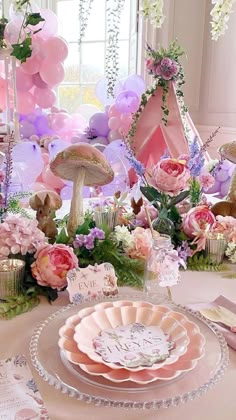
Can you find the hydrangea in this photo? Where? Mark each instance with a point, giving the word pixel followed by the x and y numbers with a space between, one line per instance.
pixel 123 235
pixel 19 235
pixel 231 251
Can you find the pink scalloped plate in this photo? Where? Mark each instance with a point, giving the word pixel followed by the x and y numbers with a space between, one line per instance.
pixel 195 350
pixel 91 326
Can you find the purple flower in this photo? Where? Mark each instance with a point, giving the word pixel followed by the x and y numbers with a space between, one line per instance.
pixel 79 241
pixel 197 160
pixel 97 233
pixel 136 165
pixel 184 251
pixel 89 241
pixel 166 68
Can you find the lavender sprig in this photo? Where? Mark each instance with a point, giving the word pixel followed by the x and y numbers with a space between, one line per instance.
pixel 8 169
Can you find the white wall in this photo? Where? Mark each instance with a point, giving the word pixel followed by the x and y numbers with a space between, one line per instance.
pixel 210 67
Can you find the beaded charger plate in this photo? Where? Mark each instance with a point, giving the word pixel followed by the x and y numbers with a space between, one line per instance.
pixel 73 381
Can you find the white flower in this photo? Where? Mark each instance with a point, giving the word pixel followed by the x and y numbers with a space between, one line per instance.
pixel 153 9
pixel 220 16
pixel 231 251
pixel 122 234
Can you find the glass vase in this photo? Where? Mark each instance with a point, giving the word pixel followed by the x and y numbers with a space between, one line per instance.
pixel 163 225
pixel 103 216
pixel 162 269
pixel 11 277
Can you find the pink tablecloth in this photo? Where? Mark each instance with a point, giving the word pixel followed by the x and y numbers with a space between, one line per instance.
pixel 218 404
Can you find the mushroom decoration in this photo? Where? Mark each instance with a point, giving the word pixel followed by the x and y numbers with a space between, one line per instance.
pixel 83 164
pixel 228 206
pixel 44 202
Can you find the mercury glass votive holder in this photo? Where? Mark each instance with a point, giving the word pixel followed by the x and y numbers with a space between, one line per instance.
pixel 11 276
pixel 215 248
pixel 108 217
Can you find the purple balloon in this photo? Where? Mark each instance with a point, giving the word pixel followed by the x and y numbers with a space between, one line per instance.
pixel 41 125
pixel 99 123
pixel 66 192
pixel 127 102
pixel 136 84
pixel 101 92
pixel 27 129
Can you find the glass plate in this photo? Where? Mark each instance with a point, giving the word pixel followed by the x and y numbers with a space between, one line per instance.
pixel 54 368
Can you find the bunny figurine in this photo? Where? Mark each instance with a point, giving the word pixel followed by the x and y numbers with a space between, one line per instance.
pixel 44 216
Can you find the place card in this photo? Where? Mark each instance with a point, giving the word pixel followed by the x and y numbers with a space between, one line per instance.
pixel 133 345
pixel 91 282
pixel 19 395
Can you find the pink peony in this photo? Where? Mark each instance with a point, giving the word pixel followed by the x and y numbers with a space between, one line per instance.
pixel 150 65
pixel 171 176
pixel 206 181
pixel 141 217
pixel 19 235
pixel 197 219
pixel 52 264
pixel 141 243
pixel 167 68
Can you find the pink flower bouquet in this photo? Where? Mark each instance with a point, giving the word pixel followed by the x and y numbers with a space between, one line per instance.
pixel 52 264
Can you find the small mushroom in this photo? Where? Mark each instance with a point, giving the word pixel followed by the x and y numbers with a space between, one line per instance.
pixel 84 165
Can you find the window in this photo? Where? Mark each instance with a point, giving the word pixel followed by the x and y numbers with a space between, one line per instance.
pixel 85 65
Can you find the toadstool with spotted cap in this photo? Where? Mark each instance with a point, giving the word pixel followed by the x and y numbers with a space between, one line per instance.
pixel 83 164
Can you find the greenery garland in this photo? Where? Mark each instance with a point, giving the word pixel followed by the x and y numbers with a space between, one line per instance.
pixel 113 15
pixel 85 8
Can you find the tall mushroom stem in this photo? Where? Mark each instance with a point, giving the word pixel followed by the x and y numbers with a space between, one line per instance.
pixel 231 196
pixel 76 217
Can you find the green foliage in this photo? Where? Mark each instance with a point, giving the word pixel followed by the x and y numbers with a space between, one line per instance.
pixel 16 305
pixel 33 19
pixel 203 262
pixel 194 192
pixel 22 50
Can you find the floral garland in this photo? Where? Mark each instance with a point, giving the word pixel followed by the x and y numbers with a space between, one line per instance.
pixel 83 17
pixel 113 15
pixel 153 10
pixel 220 16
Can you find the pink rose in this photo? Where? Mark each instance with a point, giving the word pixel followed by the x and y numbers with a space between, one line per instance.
pixel 171 176
pixel 197 219
pixel 141 243
pixel 52 264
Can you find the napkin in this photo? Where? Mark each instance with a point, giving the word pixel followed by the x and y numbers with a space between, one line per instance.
pixel 230 337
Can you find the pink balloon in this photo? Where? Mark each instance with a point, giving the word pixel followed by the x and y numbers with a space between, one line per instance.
pixel 50 26
pixel 126 118
pixel 113 135
pixel 114 123
pixel 38 82
pixel 38 47
pixel 57 121
pixel 45 157
pixel 56 48
pixel 113 111
pixel 12 30
pixel 50 179
pixel 32 65
pixel 24 82
pixel 2 92
pixel 25 103
pixel 44 97
pixel 123 130
pixel 52 73
pixel 38 186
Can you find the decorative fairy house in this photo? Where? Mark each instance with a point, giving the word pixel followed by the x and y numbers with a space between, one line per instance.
pixel 162 124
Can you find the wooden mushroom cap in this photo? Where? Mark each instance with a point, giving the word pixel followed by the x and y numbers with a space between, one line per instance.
pixel 55 199
pixel 228 151
pixel 82 155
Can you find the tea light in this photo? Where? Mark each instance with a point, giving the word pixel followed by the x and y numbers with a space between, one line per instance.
pixel 107 216
pixel 11 275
